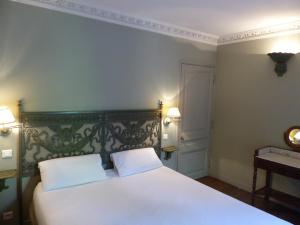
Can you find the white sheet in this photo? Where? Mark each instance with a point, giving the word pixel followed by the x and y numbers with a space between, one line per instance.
pixel 157 197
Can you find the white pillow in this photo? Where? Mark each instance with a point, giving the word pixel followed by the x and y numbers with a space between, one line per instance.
pixel 70 171
pixel 135 161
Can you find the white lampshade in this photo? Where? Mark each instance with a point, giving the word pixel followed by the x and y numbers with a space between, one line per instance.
pixel 6 116
pixel 173 112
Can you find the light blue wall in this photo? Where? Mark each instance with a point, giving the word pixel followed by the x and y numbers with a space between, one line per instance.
pixel 57 61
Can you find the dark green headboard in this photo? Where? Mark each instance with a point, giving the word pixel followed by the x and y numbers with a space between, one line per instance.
pixel 47 135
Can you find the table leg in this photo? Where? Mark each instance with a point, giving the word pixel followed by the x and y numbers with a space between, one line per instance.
pixel 268 185
pixel 254 185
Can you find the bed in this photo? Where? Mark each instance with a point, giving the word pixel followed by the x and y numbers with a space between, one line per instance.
pixel 157 196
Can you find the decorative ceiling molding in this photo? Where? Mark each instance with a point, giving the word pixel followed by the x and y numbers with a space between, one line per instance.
pixel 68 6
pixel 122 19
pixel 262 33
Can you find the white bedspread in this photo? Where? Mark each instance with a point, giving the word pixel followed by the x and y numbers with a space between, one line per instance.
pixel 157 197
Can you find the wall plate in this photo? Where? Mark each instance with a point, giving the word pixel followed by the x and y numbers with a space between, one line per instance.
pixel 8 215
pixel 7 154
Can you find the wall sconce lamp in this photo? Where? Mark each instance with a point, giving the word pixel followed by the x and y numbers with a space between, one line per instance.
pixel 172 114
pixel 6 119
pixel 280 59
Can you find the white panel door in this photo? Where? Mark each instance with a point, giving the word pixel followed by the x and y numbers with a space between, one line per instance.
pixel 195 107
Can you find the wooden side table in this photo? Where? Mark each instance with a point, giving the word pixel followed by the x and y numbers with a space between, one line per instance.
pixel 275 160
pixel 6 174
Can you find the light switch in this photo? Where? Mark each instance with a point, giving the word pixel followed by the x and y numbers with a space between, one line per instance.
pixel 7 153
pixel 165 136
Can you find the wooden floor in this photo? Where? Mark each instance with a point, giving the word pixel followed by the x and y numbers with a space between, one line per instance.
pixel 244 196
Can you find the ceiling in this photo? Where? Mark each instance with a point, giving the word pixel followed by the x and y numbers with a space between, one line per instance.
pixel 225 20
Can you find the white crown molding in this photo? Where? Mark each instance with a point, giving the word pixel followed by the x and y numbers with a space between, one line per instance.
pixel 122 19
pixel 68 6
pixel 267 32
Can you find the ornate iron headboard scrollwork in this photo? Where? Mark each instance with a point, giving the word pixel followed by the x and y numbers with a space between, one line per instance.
pixel 47 135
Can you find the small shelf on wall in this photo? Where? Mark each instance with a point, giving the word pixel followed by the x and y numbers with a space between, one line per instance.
pixel 168 150
pixel 6 174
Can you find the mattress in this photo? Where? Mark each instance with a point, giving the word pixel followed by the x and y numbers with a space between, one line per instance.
pixel 157 197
